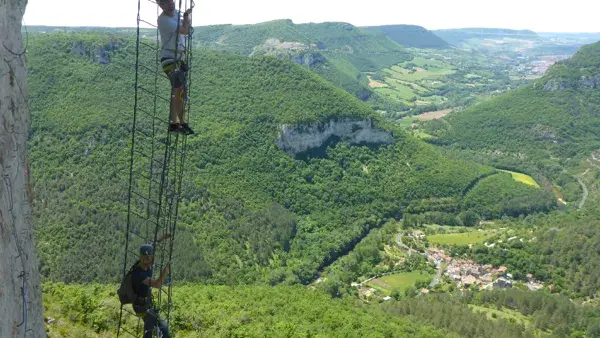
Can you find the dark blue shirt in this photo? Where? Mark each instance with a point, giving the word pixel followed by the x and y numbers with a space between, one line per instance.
pixel 137 277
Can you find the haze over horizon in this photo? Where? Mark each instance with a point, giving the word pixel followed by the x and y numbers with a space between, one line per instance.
pixel 537 15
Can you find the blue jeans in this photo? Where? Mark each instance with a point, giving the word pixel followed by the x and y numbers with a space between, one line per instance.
pixel 153 323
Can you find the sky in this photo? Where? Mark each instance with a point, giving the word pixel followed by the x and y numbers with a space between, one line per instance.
pixel 537 15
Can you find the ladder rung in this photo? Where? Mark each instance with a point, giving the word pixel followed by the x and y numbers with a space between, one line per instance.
pixel 134 254
pixel 165 212
pixel 146 177
pixel 127 65
pixel 170 181
pixel 148 157
pixel 144 197
pixel 138 235
pixel 152 221
pixel 149 136
pixel 148 45
pixel 145 219
pixel 151 24
pixel 154 94
pixel 155 71
pixel 153 116
pixel 129 311
pixel 124 329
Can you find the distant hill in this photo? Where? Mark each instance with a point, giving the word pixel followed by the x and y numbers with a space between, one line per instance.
pixel 589 37
pixel 338 51
pixel 459 35
pixel 367 51
pixel 554 120
pixel 411 36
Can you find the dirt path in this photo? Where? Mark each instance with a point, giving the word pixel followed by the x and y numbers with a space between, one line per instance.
pixel 585 190
pixel 436 279
pixel 438 264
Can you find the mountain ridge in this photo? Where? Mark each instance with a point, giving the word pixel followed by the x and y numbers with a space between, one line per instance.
pixel 411 36
pixel 456 36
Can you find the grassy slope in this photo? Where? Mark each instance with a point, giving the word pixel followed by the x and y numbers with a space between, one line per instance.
pixel 201 311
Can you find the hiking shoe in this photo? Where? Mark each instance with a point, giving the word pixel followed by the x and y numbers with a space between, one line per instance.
pixel 178 128
pixel 187 128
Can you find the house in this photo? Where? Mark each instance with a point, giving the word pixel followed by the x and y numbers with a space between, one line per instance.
pixel 499 271
pixel 502 283
pixel 473 271
pixel 469 280
pixel 487 278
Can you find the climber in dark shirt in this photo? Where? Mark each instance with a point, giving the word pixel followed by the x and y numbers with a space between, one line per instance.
pixel 143 283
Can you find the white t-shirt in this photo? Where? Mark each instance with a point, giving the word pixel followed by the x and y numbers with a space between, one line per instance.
pixel 167 26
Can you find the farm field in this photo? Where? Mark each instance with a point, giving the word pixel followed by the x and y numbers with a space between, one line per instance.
pixel 401 280
pixel 413 82
pixel 464 238
pixel 523 178
pixel 432 115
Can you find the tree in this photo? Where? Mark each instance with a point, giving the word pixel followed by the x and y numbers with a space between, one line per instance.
pixel 21 311
pixel 469 218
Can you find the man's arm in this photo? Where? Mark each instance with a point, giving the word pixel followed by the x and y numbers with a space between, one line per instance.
pixel 163 238
pixel 156 283
pixel 185 29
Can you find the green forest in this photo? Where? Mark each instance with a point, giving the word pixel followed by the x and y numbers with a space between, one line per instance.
pixel 238 183
pixel 272 244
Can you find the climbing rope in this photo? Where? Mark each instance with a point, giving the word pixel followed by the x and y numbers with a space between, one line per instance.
pixel 155 181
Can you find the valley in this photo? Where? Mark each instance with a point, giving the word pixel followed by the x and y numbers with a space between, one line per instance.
pixel 344 181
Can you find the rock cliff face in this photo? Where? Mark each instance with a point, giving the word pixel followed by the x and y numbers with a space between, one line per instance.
pixel 21 311
pixel 304 55
pixel 295 139
pixel 97 54
pixel 591 82
pixel 309 59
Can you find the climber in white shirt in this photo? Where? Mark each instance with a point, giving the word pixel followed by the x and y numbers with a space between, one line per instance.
pixel 173 61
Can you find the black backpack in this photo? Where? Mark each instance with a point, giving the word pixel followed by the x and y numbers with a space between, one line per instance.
pixel 125 292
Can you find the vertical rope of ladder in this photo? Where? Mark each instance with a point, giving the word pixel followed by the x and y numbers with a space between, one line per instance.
pixel 179 175
pixel 178 172
pixel 152 151
pixel 137 57
pixel 167 159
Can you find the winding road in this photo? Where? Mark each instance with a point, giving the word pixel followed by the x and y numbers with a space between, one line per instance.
pixel 438 264
pixel 585 191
